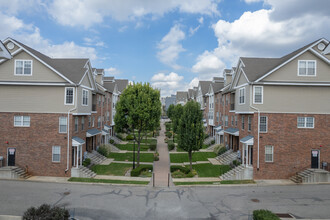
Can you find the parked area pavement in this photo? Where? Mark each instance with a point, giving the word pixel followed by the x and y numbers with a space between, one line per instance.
pixel 103 201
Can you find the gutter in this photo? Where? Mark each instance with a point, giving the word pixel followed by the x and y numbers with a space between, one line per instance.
pixel 68 134
pixel 258 132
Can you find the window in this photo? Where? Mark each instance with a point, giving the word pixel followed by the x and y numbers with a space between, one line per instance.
pixel 89 121
pixel 56 154
pixel 269 152
pixel 82 123
pixel 76 124
pixel 258 95
pixel 108 116
pixel 249 123
pixel 99 121
pixel 263 124
pixel 217 116
pixel 243 122
pixel 226 120
pixel 305 122
pixel 99 100
pixel 69 93
pixel 84 97
pixel 307 68
pixel 235 120
pixel 22 121
pixel 63 124
pixel 93 121
pixel 232 120
pixel 241 96
pixel 23 67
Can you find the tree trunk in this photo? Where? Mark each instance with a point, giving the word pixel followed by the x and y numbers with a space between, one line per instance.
pixel 138 150
pixel 190 159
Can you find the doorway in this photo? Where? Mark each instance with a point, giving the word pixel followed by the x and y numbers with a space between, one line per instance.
pixel 11 156
pixel 315 159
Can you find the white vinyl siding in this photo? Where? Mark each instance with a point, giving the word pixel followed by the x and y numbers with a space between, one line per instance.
pixel 85 97
pixel 307 68
pixel 63 124
pixel 56 154
pixel 305 122
pixel 258 94
pixel 241 96
pixel 69 95
pixel 23 67
pixel 22 121
pixel 269 153
pixel 263 124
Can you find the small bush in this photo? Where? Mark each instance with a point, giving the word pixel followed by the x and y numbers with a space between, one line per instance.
pixel 152 147
pixel 184 170
pixel 212 142
pixel 219 149
pixel 86 162
pixel 45 211
pixel 156 156
pixel 111 141
pixel 236 163
pixel 168 134
pixel 129 137
pixel 141 168
pixel 103 150
pixel 170 145
pixel 263 214
pixel 192 173
pixel 120 136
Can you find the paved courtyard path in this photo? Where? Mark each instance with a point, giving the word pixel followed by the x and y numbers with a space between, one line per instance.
pixel 162 167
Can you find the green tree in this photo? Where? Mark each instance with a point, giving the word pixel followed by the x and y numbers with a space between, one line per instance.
pixel 177 114
pixel 138 111
pixel 170 111
pixel 190 129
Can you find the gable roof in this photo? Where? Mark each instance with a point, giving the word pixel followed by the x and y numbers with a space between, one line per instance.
pixel 110 86
pixel 4 53
pixel 181 96
pixel 204 86
pixel 217 87
pixel 121 84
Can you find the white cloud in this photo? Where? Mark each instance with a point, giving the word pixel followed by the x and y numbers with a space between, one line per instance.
pixel 170 48
pixel 168 84
pixel 252 1
pixel 259 34
pixel 193 83
pixel 208 65
pixel 112 71
pixel 94 42
pixel 89 12
pixel 201 20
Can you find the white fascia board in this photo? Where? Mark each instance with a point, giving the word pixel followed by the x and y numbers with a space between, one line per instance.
pixel 86 87
pixel 34 84
pixel 293 84
pixel 320 56
pixel 81 114
pixel 286 62
pixel 237 87
pixel 244 113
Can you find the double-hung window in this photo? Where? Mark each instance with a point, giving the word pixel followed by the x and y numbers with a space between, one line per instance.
pixel 63 124
pixel 84 97
pixel 263 124
pixel 56 154
pixel 307 68
pixel 89 121
pixel 93 121
pixel 232 120
pixel 269 153
pixel 249 123
pixel 257 94
pixel 241 96
pixel 23 67
pixel 76 124
pixel 69 94
pixel 22 121
pixel 235 120
pixel 305 122
pixel 226 120
pixel 243 122
pixel 82 123
pixel 99 121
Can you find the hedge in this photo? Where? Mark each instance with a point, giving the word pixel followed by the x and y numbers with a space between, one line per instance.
pixel 185 170
pixel 263 214
pixel 170 145
pixel 140 169
pixel 152 147
pixel 46 211
pixel 129 137
pixel 86 162
pixel 103 150
pixel 168 134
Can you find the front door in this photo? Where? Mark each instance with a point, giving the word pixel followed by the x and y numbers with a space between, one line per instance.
pixel 251 155
pixel 11 156
pixel 315 159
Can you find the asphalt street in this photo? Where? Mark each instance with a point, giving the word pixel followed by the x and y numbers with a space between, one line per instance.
pixel 89 201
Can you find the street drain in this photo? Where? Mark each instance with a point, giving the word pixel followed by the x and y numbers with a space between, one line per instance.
pixel 66 193
pixel 255 200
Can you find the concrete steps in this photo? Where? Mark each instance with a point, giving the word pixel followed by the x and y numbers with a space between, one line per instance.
pixel 117 140
pixel 208 140
pixel 96 158
pixel 85 172
pixel 311 176
pixel 227 157
pixel 234 174
pixel 20 172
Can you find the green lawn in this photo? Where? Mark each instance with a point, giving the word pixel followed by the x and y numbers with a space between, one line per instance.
pixel 209 170
pixel 114 169
pixel 90 180
pixel 130 147
pixel 144 157
pixel 146 141
pixel 197 156
pixel 237 181
pixel 197 183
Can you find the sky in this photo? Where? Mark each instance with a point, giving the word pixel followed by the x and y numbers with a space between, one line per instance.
pixel 172 44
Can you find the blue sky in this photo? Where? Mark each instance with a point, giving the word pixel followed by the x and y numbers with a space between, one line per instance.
pixel 172 43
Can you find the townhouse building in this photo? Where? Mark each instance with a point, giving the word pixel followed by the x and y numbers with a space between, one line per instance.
pixel 53 111
pixel 181 97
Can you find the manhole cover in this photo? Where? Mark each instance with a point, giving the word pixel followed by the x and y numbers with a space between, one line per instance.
pixel 283 215
pixel 255 200
pixel 66 193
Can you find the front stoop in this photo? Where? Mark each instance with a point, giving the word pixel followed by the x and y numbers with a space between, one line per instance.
pixel 227 157
pixel 13 172
pixel 82 171
pixel 311 176
pixel 238 173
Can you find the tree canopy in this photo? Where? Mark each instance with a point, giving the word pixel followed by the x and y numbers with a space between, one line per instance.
pixel 176 115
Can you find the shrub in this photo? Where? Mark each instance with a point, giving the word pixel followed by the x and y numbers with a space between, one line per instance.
pixel 212 142
pixel 168 134
pixel 86 162
pixel 219 149
pixel 111 141
pixel 45 211
pixel 156 156
pixel 129 137
pixel 170 145
pixel 182 169
pixel 120 136
pixel 206 136
pixel 137 171
pixel 236 163
pixel 178 174
pixel 192 173
pixel 263 214
pixel 103 150
pixel 152 147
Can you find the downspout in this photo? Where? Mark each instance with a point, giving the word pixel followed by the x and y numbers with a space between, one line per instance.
pixel 68 134
pixel 258 132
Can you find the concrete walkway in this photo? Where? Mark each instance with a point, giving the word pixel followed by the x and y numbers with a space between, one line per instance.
pixel 162 167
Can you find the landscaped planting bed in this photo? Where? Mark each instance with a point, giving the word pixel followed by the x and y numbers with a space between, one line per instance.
pixel 197 156
pixel 144 157
pixel 129 147
pixel 209 170
pixel 113 169
pixel 91 180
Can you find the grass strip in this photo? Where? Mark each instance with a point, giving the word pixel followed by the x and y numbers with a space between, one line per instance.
pixel 90 180
pixel 129 147
pixel 145 157
pixel 237 181
pixel 113 169
pixel 215 182
pixel 197 156
pixel 209 170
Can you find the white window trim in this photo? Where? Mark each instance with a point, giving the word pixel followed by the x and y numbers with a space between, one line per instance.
pixel 262 95
pixel 53 154
pixel 307 68
pixel 82 97
pixel 65 96
pixel 305 122
pixel 22 121
pixel 59 124
pixel 239 96
pixel 23 68
pixel 266 124
pixel 272 154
